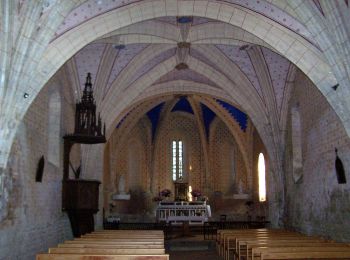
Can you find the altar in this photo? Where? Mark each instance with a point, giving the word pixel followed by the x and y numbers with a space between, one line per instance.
pixel 177 212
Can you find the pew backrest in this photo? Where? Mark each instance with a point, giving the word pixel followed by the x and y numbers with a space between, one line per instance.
pixel 100 257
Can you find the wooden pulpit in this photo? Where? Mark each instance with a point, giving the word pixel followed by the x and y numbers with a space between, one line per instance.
pixel 79 196
pixel 80 200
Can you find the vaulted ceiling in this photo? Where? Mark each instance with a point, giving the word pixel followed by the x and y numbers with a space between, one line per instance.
pixel 132 53
pixel 149 59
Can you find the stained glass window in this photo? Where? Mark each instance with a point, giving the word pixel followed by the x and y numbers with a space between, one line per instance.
pixel 177 159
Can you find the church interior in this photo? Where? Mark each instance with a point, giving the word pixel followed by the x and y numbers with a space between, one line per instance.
pixel 241 107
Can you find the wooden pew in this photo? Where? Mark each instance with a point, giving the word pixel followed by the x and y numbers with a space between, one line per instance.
pixel 107 251
pixel 123 245
pixel 123 233
pixel 150 231
pixel 283 242
pixel 100 257
pixel 222 234
pixel 107 242
pixel 230 241
pixel 110 236
pixel 120 239
pixel 92 245
pixel 247 251
pixel 278 244
pixel 253 248
pixel 258 251
pixel 242 244
pixel 128 232
pixel 305 255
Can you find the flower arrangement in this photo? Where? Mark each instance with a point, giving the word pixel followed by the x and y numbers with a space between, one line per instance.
pixel 165 193
pixel 157 198
pixel 196 193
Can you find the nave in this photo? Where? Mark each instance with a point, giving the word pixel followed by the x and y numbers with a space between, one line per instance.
pixel 170 111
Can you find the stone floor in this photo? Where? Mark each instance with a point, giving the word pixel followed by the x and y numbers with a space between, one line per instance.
pixel 194 255
pixel 191 248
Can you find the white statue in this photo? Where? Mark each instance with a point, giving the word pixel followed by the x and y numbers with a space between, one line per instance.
pixel 240 187
pixel 121 194
pixel 121 184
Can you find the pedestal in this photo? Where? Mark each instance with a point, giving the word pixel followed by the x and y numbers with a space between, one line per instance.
pixel 121 197
pixel 241 196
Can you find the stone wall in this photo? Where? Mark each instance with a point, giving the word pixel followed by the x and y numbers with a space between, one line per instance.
pixel 31 215
pixel 228 175
pixel 315 202
pixel 228 171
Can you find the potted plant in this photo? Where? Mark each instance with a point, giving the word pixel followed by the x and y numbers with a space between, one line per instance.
pixel 157 198
pixel 165 193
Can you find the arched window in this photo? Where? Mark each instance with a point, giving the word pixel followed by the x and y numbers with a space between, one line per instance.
pixel 262 180
pixel 177 159
pixel 54 125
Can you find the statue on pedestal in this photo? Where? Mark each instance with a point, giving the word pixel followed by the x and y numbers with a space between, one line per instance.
pixel 121 194
pixel 240 187
pixel 121 184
